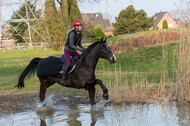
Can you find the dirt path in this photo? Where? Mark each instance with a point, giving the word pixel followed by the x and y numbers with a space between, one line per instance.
pixel 15 103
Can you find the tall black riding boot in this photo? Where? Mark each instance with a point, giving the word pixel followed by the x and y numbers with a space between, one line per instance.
pixel 63 80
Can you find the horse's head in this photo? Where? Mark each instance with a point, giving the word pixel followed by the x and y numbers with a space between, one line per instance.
pixel 105 52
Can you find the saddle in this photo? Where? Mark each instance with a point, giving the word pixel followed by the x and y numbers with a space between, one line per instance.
pixel 73 63
pixel 52 65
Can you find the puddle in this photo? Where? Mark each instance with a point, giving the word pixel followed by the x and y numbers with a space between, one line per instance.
pixel 172 114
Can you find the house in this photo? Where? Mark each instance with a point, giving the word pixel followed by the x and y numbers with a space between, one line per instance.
pixel 9 42
pixel 97 18
pixel 160 17
pixel 5 41
pixel 179 23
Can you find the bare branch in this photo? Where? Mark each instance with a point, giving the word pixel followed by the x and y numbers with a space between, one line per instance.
pixel 90 1
pixel 59 2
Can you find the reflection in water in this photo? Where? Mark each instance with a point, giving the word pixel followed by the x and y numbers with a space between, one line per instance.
pixel 47 113
pixel 183 114
pixel 42 122
pixel 171 114
pixel 96 115
pixel 74 115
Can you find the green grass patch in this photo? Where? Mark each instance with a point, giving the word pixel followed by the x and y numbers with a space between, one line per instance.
pixel 147 62
pixel 151 60
pixel 13 62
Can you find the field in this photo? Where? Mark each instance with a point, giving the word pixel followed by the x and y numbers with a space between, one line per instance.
pixel 147 74
pixel 142 60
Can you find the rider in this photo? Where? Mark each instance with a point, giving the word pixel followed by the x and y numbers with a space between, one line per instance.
pixel 73 40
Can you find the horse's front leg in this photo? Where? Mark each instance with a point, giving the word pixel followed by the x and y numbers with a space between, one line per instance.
pixel 104 89
pixel 91 92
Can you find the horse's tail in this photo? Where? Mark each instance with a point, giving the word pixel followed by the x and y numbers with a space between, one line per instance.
pixel 28 72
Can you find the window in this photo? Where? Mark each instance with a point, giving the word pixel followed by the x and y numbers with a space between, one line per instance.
pixel 166 17
pixel 170 25
pixel 97 15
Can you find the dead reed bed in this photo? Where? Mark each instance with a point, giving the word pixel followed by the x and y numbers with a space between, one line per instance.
pixel 182 86
pixel 139 89
pixel 154 38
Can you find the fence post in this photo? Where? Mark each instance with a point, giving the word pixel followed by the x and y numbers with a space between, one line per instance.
pixel 25 48
pixel 18 46
pixel 45 49
pixel 4 49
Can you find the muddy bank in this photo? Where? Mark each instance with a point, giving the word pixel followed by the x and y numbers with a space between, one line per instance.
pixel 14 103
pixel 17 103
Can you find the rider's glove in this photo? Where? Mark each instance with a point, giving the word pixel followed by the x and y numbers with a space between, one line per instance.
pixel 84 49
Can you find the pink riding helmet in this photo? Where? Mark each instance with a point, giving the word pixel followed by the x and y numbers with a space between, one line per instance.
pixel 77 23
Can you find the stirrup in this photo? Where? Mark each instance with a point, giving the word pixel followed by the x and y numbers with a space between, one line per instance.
pixel 72 69
pixel 63 81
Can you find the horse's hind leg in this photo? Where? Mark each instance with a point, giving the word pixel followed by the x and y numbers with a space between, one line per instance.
pixel 45 83
pixel 105 90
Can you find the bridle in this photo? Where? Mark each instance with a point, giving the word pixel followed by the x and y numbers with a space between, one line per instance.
pixel 79 61
pixel 88 55
pixel 83 57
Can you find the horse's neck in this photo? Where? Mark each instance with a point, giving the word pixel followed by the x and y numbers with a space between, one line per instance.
pixel 91 60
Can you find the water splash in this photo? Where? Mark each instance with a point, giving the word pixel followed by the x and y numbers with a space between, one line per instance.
pixel 100 105
pixel 45 106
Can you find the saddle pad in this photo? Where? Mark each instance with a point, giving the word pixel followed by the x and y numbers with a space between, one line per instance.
pixel 49 66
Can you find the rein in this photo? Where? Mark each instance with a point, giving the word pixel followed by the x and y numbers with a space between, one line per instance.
pixel 84 56
pixel 77 62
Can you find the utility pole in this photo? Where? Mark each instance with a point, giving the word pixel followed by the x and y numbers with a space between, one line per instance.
pixel 0 19
pixel 28 23
pixel 26 19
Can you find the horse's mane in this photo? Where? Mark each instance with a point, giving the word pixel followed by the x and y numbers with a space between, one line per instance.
pixel 90 48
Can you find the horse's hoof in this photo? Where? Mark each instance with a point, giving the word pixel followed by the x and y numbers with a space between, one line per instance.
pixel 105 96
pixel 93 103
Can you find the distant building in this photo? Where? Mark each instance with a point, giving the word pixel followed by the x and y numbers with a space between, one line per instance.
pixel 160 17
pixel 10 42
pixel 5 41
pixel 97 18
pixel 179 23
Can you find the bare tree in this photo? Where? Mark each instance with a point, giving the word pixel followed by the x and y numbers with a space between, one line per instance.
pixel 182 11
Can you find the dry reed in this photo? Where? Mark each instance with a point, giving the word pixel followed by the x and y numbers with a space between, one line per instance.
pixel 155 38
pixel 138 89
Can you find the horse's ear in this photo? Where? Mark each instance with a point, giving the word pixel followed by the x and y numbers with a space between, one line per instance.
pixel 105 40
pixel 101 40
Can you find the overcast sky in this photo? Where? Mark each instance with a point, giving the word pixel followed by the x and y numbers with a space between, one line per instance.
pixel 111 7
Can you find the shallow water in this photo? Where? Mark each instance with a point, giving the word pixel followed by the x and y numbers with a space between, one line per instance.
pixel 171 114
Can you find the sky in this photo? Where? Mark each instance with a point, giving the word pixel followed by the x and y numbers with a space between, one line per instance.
pixel 111 8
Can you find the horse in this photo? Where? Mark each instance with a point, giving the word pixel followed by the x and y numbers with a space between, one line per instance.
pixel 83 76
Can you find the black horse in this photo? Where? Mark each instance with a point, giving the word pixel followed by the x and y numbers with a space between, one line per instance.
pixel 83 76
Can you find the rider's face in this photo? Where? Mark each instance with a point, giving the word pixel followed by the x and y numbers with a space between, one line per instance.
pixel 79 28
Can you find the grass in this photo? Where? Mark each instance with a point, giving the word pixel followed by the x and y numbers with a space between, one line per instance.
pixel 147 61
pixel 159 72
pixel 12 63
